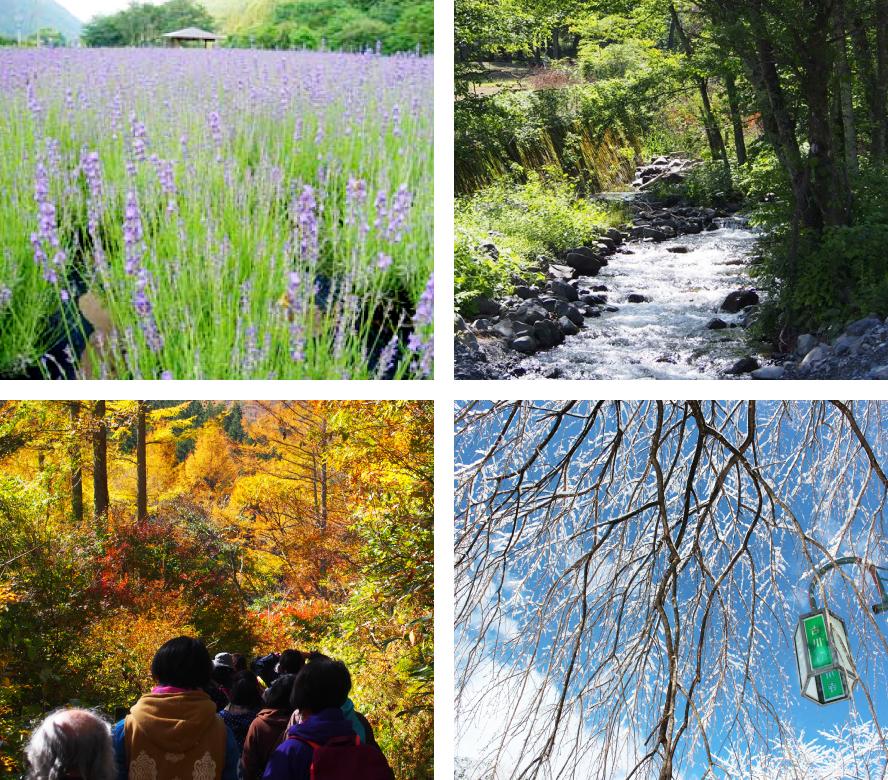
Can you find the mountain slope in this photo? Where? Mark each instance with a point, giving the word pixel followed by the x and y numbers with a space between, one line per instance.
pixel 34 14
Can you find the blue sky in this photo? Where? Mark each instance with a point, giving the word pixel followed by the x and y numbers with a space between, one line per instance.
pixel 814 494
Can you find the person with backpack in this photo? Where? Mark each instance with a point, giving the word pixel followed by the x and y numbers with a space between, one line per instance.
pixel 174 730
pixel 359 723
pixel 324 746
pixel 268 729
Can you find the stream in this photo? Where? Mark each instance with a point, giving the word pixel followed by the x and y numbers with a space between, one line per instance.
pixel 666 336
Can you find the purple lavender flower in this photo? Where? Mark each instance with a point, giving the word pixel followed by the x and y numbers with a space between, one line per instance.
pixel 421 340
pixel 132 234
pixel 166 375
pixel 384 261
pixel 46 240
pixel 144 309
pixel 307 224
pixel 355 195
pixel 140 138
pixel 398 215
pixel 92 170
pixel 5 296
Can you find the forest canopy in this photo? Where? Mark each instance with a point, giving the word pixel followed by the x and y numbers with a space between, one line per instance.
pixel 254 525
pixel 785 102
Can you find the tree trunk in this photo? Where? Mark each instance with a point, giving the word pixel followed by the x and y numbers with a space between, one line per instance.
pixel 736 118
pixel 710 123
pixel 866 72
pixel 881 96
pixel 76 464
pixel 100 461
pixel 843 75
pixel 141 465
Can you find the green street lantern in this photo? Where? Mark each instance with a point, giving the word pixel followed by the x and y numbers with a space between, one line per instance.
pixel 823 657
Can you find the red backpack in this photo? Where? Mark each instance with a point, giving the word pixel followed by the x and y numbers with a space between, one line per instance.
pixel 346 758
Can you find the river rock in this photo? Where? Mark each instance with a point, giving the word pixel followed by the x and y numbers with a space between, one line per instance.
pixel 547 334
pixel 657 234
pixel 599 288
pixel 594 300
pixel 678 250
pixel 805 343
pixel 486 307
pixel 768 372
pixel 525 293
pixel 637 298
pixel 607 245
pixel 744 366
pixel 562 272
pixel 847 343
pixel 739 299
pixel 562 290
pixel 530 312
pixel 525 344
pixel 817 354
pixel 864 326
pixel 490 248
pixel 716 324
pixel 584 264
pixel 568 328
pixel 574 314
pixel 614 235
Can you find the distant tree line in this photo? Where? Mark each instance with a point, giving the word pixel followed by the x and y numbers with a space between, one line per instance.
pixel 396 25
pixel 143 23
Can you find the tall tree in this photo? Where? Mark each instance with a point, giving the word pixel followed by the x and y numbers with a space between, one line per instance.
pixel 101 497
pixel 76 463
pixel 141 462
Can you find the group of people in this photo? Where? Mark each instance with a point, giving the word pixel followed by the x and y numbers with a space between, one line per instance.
pixel 287 716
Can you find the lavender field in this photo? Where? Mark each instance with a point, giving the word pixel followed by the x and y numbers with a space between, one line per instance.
pixel 220 214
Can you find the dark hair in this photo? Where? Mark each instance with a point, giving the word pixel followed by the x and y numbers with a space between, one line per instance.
pixel 316 655
pixel 182 662
pixel 321 684
pixel 245 691
pixel 291 662
pixel 223 676
pixel 240 662
pixel 277 695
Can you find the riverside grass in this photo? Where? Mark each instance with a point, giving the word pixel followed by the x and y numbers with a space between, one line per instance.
pixel 236 214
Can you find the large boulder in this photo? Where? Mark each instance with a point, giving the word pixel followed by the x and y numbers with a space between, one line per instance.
pixel 716 324
pixel 637 298
pixel 486 307
pixel 585 265
pixel 768 372
pixel 805 343
pixel 547 334
pixel 743 366
pixel 568 327
pixel 614 235
pixel 562 290
pixel 530 312
pixel 525 293
pixel 562 272
pixel 739 299
pixel 864 326
pixel 525 344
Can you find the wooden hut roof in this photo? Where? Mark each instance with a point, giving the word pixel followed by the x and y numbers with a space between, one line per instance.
pixel 194 34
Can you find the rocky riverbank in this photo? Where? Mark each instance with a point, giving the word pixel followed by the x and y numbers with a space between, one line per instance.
pixel 564 294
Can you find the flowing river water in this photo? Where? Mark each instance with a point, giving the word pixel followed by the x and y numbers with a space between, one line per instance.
pixel 666 336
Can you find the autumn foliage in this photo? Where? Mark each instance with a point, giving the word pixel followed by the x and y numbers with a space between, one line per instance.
pixel 267 525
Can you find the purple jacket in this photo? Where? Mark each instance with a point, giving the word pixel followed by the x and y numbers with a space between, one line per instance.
pixel 292 758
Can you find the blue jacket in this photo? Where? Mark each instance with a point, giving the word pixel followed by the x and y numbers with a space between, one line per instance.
pixel 229 771
pixel 292 758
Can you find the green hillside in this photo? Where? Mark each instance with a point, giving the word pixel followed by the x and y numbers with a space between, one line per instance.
pixel 353 25
pixel 32 15
pixel 222 10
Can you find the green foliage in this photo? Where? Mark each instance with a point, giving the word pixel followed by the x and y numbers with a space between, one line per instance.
pixel 349 25
pixel 144 23
pixel 542 216
pixel 708 184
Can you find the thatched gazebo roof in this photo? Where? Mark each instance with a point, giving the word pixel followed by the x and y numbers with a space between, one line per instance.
pixel 192 34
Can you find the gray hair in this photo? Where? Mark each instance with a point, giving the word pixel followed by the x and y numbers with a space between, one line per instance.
pixel 71 741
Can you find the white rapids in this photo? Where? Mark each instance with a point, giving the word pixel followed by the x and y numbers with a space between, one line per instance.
pixel 666 337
